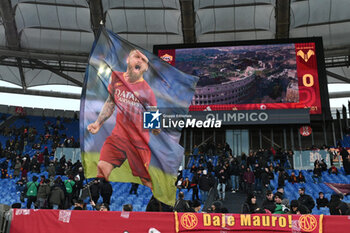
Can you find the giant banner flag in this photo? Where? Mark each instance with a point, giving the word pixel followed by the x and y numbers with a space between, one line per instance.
pixel 126 91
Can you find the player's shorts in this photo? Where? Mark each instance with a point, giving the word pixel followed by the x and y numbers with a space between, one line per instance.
pixel 116 150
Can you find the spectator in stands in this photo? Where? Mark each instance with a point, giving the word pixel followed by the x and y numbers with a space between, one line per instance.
pixel 301 178
pixel 32 191
pixel 305 199
pixel 43 193
pixel 193 169
pixel 293 178
pixel 281 177
pixel 205 183
pixel 21 187
pixel 321 201
pixel 280 207
pixel 51 170
pixel 133 189
pixel 242 184
pixel 195 206
pixel 257 174
pixel 323 165
pixel 250 206
pixel 243 159
pixel 269 203
pixel 317 174
pixel 249 180
pixel 271 172
pixel 69 186
pixel 337 206
pixel 4 166
pixel 56 199
pixel 222 179
pixel 186 184
pixel 346 162
pixel 106 191
pixel 210 166
pixel 79 205
pixel 95 190
pixel 154 205
pixel 333 170
pixel 234 175
pixel 179 183
pixel 17 168
pixel 200 167
pixel 127 207
pixel 194 185
pixel 297 208
pixel 181 205
pixel 34 165
pixel 265 181
pixel 280 191
pixel 251 161
pixel 215 207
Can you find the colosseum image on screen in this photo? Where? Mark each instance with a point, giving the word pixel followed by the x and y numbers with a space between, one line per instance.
pixel 242 74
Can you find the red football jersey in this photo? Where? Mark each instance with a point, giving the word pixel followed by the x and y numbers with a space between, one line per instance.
pixel 131 99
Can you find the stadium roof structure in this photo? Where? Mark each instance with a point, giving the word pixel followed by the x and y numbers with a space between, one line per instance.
pixel 45 42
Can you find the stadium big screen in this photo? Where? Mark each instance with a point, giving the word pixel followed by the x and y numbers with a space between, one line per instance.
pixel 250 75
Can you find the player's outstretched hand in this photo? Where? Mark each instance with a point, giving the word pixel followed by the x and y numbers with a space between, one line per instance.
pixel 156 131
pixel 94 128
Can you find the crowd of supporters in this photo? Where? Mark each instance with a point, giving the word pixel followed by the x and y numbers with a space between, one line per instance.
pixel 252 174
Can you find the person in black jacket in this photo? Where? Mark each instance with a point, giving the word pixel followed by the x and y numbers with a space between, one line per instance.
pixel 301 178
pixel 337 206
pixel 106 191
pixel 250 206
pixel 95 190
pixel 182 205
pixel 222 178
pixel 317 174
pixel 306 200
pixel 346 162
pixel 269 203
pixel 321 201
pixel 281 178
pixel 297 208
pixel 194 186
pixel 205 183
pixel 265 181
pixel 234 175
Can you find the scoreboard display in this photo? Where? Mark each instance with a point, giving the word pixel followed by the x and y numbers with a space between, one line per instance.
pixel 254 75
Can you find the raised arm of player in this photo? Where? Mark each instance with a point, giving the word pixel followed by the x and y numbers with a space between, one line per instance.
pixel 107 111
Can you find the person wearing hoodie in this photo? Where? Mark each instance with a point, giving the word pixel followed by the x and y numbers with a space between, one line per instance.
pixel 250 206
pixel 43 193
pixel 56 199
pixel 297 208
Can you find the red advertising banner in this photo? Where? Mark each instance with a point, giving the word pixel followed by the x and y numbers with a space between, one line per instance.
pixel 68 221
pixel 246 222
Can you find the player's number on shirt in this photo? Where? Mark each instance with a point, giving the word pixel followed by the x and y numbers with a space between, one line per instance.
pixel 308 80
